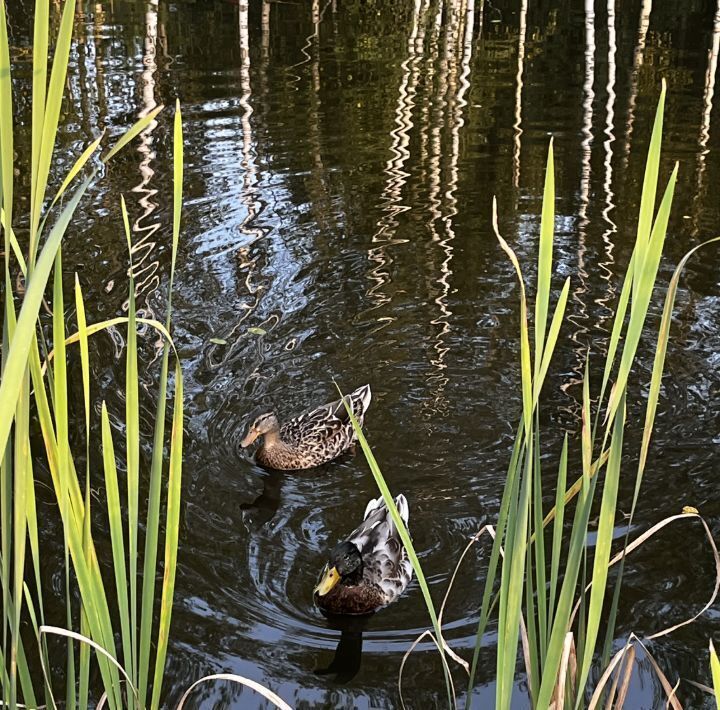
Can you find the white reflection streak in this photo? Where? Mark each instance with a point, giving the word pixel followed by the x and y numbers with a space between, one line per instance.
pixel 458 122
pixel 248 193
pixel 265 24
pixel 144 269
pixel 607 144
pixel 517 129
pixel 396 175
pixel 708 94
pixel 586 143
pixel 638 59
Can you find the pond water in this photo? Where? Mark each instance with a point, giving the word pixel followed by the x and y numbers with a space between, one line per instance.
pixel 339 183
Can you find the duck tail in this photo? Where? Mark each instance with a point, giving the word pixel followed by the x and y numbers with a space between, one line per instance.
pixel 378 503
pixel 360 399
pixel 403 508
pixel 372 506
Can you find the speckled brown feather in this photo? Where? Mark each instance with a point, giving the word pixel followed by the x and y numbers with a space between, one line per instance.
pixel 360 598
pixel 316 437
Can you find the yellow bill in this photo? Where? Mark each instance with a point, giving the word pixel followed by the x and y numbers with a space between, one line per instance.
pixel 329 579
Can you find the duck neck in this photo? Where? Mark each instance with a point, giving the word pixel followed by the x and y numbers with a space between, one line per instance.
pixel 355 577
pixel 272 440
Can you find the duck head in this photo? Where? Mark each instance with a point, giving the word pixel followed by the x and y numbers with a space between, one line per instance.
pixel 344 564
pixel 264 424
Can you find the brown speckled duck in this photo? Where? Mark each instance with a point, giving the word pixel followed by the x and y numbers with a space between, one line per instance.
pixel 313 438
pixel 370 568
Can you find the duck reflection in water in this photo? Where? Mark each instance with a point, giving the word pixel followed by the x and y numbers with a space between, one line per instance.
pixel 345 663
pixel 262 510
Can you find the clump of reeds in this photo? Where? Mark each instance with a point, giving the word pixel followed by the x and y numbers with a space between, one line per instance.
pixel 30 388
pixel 546 587
pixel 34 384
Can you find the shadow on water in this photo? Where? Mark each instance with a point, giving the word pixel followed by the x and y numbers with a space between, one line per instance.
pixel 340 169
pixel 346 660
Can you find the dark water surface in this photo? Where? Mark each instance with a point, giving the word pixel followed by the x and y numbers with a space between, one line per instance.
pixel 339 183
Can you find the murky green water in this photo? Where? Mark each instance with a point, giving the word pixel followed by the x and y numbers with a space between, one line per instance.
pixel 339 184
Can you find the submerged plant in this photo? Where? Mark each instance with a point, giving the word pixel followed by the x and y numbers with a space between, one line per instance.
pixel 551 594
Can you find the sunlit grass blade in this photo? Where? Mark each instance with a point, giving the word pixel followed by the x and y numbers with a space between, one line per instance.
pixel 512 576
pixel 172 533
pixel 131 133
pixel 41 40
pixel 565 599
pixel 513 568
pixel 545 250
pixel 73 173
pixel 34 542
pixel 552 337
pixel 21 464
pixel 51 115
pixel 153 512
pixel 25 329
pixel 12 243
pixel 645 278
pixel 509 494
pixel 649 188
pixel 715 670
pixel 406 540
pixel 558 530
pixel 84 682
pixel 539 546
pixel 132 453
pixel 6 124
pixel 60 403
pixel 645 220
pixel 650 411
pixel 116 534
pixel 603 543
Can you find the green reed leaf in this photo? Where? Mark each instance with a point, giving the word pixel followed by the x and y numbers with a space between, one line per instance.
pixel 137 128
pixel 547 229
pixel 51 114
pixel 172 534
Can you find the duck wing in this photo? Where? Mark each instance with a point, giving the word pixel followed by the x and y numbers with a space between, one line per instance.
pixel 327 422
pixel 386 561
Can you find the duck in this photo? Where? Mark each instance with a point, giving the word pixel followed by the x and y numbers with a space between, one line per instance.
pixel 370 568
pixel 311 439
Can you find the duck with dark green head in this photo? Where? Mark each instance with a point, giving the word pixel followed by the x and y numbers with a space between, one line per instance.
pixel 370 568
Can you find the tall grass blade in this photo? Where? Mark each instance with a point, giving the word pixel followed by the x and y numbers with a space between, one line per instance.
pixel 132 452
pixel 41 34
pixel 63 442
pixel 51 115
pixel 84 683
pixel 539 548
pixel 508 495
pixel 6 126
pixel 650 411
pixel 137 128
pixel 153 513
pixel 116 534
pixel 645 281
pixel 407 543
pixel 715 670
pixel 602 548
pixel 547 228
pixel 647 207
pixel 25 329
pixel 557 537
pixel 565 599
pixel 172 531
pixel 21 464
